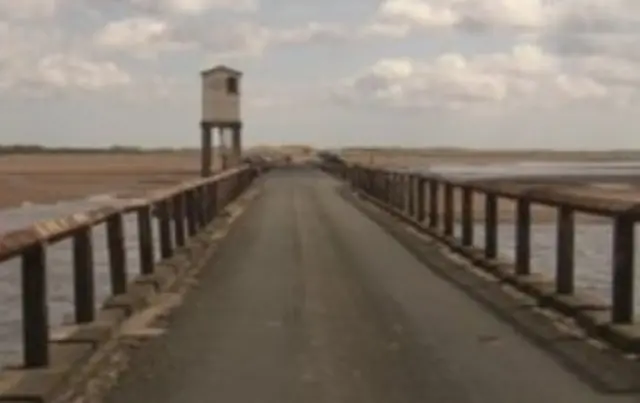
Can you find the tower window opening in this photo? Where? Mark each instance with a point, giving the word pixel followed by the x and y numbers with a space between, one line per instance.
pixel 232 85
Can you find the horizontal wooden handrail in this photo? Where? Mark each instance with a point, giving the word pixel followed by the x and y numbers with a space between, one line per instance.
pixel 429 201
pixel 50 231
pixel 180 212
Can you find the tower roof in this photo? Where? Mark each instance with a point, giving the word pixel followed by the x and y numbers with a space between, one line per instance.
pixel 223 69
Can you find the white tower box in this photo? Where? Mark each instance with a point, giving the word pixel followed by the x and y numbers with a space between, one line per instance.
pixel 221 96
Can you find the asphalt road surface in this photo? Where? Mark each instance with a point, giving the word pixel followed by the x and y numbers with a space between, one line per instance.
pixel 310 301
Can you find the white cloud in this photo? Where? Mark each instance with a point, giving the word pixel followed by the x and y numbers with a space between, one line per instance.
pixel 251 40
pixel 34 62
pixel 418 12
pixel 538 16
pixel 592 54
pixel 580 87
pixel 525 76
pixel 611 71
pixel 141 36
pixel 25 9
pixel 195 7
pixel 469 15
pixel 200 6
pixel 64 71
pixel 150 36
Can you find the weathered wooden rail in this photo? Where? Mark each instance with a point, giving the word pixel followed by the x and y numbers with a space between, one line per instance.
pixel 180 213
pixel 427 202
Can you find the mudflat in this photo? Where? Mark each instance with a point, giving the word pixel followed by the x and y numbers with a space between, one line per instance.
pixel 608 183
pixel 431 156
pixel 47 178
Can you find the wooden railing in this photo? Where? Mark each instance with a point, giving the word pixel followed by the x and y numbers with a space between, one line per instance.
pixel 180 213
pixel 428 201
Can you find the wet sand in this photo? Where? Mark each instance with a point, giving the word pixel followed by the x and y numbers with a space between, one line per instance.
pixel 594 175
pixel 49 178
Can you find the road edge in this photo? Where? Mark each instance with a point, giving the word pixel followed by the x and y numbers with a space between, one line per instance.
pixel 83 352
pixel 603 367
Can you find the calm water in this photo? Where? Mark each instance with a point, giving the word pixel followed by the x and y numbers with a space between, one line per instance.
pixel 593 241
pixel 593 244
pixel 592 256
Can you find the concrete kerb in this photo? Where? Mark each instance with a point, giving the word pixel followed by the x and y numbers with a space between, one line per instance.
pixel 73 345
pixel 590 313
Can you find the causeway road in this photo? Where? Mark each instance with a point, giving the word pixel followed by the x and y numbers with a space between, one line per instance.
pixel 310 301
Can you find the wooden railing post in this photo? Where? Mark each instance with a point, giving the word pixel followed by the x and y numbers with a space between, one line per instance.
pixel 364 180
pixel 406 193
pixel 375 183
pixel 145 239
pixel 35 316
pixel 200 203
pixel 222 190
pixel 392 189
pixel 523 236
pixel 565 250
pixel 467 216
pixel 420 199
pixel 491 226
pixel 191 213
pixel 397 180
pixel 164 229
pixel 623 270
pixel 117 254
pixel 411 194
pixel 214 200
pixel 434 213
pixel 178 218
pixel 30 245
pixel 83 281
pixel 448 209
pixel 206 201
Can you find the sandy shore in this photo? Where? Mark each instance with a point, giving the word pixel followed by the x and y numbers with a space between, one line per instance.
pixel 54 177
pixel 47 178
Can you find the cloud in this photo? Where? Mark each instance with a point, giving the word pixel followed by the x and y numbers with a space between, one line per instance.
pixel 150 36
pixel 62 71
pixel 577 50
pixel 418 12
pixel 525 76
pixel 194 7
pixel 562 17
pixel 34 62
pixel 57 73
pixel 27 9
pixel 252 40
pixel 394 16
pixel 140 36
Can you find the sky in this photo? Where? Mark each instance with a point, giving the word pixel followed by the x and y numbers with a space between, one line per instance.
pixel 561 74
